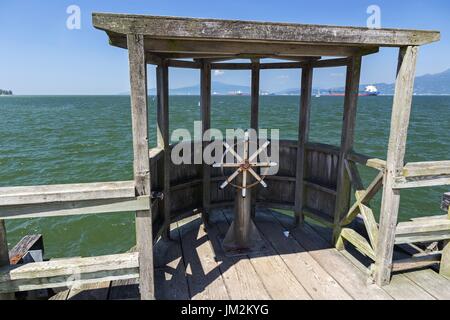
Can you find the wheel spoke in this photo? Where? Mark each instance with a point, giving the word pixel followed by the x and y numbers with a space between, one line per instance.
pixel 226 165
pixel 230 149
pixel 257 177
pixel 263 164
pixel 261 149
pixel 230 178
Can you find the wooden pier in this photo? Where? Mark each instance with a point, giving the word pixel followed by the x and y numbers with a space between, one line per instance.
pixel 300 263
pixel 352 256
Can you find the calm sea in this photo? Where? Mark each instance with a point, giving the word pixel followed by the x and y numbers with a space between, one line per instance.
pixel 70 139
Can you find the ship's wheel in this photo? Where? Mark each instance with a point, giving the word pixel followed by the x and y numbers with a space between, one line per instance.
pixel 245 165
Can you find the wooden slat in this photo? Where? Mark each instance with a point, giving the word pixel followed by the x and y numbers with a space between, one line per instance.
pixel 395 160
pixel 367 161
pixel 364 198
pixel 347 275
pixel 241 280
pixel 416 262
pixel 170 270
pixel 317 282
pixel 322 147
pixel 67 272
pixel 319 187
pixel 358 241
pixel 303 137
pixel 70 208
pixel 430 168
pixel 202 271
pixel 420 182
pixel 27 243
pixel 4 256
pixel 422 226
pixel 141 163
pixel 193 28
pixel 370 224
pixel 276 276
pixel 10 196
pixel 433 283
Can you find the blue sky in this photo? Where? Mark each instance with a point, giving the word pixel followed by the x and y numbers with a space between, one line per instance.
pixel 39 55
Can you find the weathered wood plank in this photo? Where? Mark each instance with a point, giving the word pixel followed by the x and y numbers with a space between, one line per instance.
pixel 347 140
pixel 71 208
pixel 27 243
pixel 430 168
pixel 141 163
pixel 367 161
pixel 10 196
pixel 241 280
pixel 358 241
pixel 202 271
pixel 193 28
pixel 90 291
pixel 68 272
pixel 430 281
pixel 4 256
pixel 303 137
pixel 395 160
pixel 317 282
pixel 420 182
pixel 170 271
pixel 445 204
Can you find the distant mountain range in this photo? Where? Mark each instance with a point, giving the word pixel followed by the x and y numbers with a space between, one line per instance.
pixel 430 84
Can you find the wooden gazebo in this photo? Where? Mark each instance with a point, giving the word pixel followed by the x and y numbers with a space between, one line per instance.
pixel 314 180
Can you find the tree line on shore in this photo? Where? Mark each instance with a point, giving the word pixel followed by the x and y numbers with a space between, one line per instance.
pixel 5 92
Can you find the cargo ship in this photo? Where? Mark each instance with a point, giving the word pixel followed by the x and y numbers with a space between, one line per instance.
pixel 368 91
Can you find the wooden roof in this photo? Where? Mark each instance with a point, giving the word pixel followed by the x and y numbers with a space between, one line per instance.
pixel 192 37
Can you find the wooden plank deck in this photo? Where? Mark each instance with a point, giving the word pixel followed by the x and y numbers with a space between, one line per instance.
pixel 301 265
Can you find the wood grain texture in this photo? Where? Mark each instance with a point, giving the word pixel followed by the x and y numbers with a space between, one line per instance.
pixel 395 161
pixel 303 137
pixel 193 28
pixel 141 163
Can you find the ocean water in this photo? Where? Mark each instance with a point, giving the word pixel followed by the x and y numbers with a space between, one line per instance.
pixel 75 139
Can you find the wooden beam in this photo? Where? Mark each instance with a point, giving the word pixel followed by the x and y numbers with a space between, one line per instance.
pixel 429 168
pixel 169 47
pixel 141 163
pixel 184 64
pixel 204 29
pixel 163 139
pixel 68 272
pixel 367 161
pixel 420 182
pixel 395 160
pixel 10 196
pixel 330 63
pixel 254 115
pixel 231 66
pixel 303 136
pixel 358 241
pixel 347 140
pixel 31 242
pixel 73 208
pixel 205 112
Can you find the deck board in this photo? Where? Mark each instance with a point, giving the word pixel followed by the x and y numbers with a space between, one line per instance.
pixel 240 277
pixel 203 273
pixel 303 265
pixel 275 274
pixel 318 283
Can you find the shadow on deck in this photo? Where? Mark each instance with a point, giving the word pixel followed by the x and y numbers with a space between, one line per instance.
pixel 300 264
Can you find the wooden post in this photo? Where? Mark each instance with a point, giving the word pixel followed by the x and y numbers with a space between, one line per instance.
pixel 303 136
pixel 401 109
pixel 205 111
pixel 141 164
pixel 445 259
pixel 347 138
pixel 4 257
pixel 163 139
pixel 254 116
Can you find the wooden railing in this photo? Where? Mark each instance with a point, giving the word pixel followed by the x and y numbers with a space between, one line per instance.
pixel 426 229
pixel 65 200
